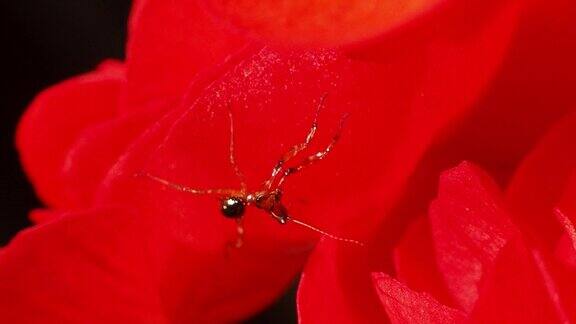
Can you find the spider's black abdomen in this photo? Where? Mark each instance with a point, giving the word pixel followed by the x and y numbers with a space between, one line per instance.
pixel 233 207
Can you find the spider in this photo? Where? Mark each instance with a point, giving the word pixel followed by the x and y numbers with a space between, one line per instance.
pixel 233 202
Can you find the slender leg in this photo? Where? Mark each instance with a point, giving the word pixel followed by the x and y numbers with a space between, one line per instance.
pixel 298 147
pixel 239 233
pixel 231 246
pixel 318 230
pixel 239 173
pixel 178 187
pixel 316 156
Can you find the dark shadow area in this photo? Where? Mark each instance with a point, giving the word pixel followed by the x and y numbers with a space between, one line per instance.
pixel 44 42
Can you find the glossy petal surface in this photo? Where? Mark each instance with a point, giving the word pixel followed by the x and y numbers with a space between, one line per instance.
pixel 469 227
pixel 336 287
pixel 171 44
pixel 407 306
pixel 415 262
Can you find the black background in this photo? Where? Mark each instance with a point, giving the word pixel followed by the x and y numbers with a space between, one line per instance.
pixel 44 42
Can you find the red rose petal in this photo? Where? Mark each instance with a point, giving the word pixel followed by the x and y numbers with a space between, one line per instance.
pixel 415 262
pixel 55 119
pixel 562 267
pixel 567 202
pixel 407 306
pixel 336 288
pixel 469 228
pixel 569 241
pixel 41 215
pixel 530 93
pixel 90 267
pixel 519 289
pixel 96 150
pixel 541 180
pixel 170 44
pixel 566 248
pixel 118 266
pixel 559 280
pixel 320 22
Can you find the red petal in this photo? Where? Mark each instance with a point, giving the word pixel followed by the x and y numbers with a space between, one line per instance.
pixel 566 215
pixel 469 228
pixel 42 215
pixel 562 267
pixel 407 306
pixel 529 286
pixel 90 267
pixel 116 266
pixel 541 180
pixel 170 44
pixel 96 150
pixel 415 261
pixel 519 289
pixel 56 118
pixel 567 245
pixel 566 250
pixel 336 288
pixel 560 285
pixel 531 92
pixel 320 22
pixel 566 210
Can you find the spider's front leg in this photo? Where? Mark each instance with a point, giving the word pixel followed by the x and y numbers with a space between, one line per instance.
pixel 316 156
pixel 296 148
pixel 182 188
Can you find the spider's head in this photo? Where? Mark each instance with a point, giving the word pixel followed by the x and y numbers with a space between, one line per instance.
pixel 233 207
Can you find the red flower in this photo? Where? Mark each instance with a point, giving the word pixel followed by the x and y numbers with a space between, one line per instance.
pixel 479 255
pixel 113 247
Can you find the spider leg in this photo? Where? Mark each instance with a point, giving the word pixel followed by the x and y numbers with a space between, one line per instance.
pixel 239 173
pixel 316 156
pixel 322 232
pixel 239 233
pixel 296 148
pixel 179 187
pixel 239 242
